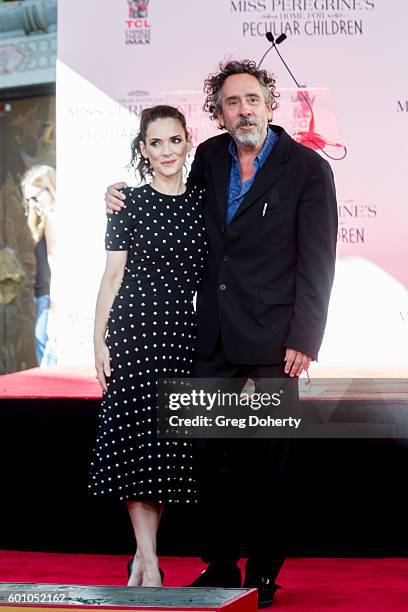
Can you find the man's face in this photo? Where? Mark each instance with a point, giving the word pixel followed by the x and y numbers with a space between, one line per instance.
pixel 245 114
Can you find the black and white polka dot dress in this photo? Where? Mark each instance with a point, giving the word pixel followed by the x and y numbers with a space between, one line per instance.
pixel 151 335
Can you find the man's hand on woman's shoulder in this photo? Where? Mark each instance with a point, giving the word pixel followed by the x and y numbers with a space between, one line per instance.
pixel 114 199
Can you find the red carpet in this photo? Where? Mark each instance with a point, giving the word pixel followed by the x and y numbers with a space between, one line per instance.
pixel 309 585
pixel 53 382
pixel 80 382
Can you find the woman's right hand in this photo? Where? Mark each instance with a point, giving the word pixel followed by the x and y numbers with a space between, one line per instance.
pixel 114 198
pixel 102 364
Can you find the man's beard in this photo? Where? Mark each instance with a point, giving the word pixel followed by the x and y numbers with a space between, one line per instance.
pixel 250 139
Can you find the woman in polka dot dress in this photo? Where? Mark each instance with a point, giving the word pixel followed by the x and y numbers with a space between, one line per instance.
pixel 145 329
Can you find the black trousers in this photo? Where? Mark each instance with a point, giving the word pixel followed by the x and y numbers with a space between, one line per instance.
pixel 243 483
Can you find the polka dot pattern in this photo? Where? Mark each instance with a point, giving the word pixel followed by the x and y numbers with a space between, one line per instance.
pixel 151 335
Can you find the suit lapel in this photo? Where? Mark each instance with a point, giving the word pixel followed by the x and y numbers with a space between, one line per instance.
pixel 220 165
pixel 270 172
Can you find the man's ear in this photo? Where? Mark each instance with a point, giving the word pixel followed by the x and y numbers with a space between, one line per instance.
pixel 270 112
pixel 220 119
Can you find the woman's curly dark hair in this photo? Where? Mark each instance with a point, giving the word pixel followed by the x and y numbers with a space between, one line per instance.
pixel 214 83
pixel 147 116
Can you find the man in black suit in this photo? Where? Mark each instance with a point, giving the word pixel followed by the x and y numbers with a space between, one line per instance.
pixel 271 218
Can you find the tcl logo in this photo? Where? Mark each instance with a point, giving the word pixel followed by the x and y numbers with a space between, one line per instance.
pixel 137 24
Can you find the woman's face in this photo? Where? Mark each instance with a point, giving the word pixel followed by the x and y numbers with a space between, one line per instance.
pixel 166 146
pixel 39 198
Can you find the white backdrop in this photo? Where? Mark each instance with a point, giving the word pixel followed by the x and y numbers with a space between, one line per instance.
pixel 112 63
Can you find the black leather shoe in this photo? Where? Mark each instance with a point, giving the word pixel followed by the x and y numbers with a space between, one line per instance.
pixel 219 574
pixel 129 569
pixel 266 589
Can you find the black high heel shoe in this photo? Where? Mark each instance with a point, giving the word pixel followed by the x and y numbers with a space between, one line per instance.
pixel 130 565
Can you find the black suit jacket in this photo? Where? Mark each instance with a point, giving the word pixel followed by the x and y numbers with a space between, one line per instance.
pixel 270 271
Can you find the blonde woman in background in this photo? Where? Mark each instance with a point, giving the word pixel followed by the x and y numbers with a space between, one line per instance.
pixel 39 189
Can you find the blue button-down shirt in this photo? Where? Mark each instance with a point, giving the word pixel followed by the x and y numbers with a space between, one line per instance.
pixel 236 189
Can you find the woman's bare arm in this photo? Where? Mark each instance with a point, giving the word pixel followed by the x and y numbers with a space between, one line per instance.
pixel 110 283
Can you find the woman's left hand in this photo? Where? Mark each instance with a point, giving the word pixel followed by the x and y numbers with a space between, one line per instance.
pixel 102 364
